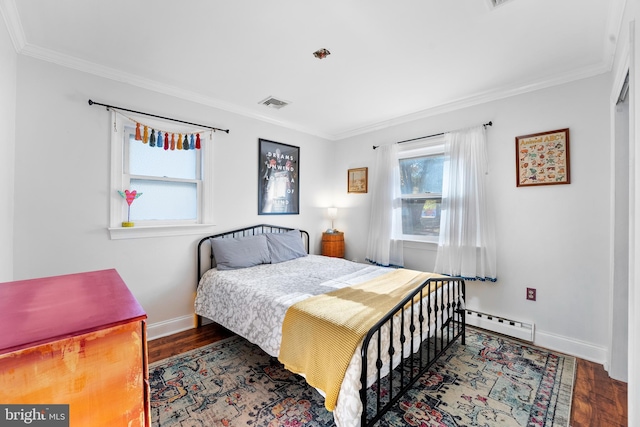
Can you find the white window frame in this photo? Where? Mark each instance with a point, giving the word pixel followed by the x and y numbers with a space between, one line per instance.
pixel 120 181
pixel 427 147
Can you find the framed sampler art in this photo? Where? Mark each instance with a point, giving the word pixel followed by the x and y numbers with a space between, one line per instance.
pixel 357 180
pixel 543 158
pixel 278 178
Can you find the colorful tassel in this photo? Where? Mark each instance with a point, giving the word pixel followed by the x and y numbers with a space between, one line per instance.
pixel 190 141
pixel 138 137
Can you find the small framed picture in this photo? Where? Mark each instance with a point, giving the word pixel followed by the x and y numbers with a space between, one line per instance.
pixel 543 158
pixel 357 180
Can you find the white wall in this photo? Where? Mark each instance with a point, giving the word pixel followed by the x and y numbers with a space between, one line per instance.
pixel 62 184
pixel 7 150
pixel 553 238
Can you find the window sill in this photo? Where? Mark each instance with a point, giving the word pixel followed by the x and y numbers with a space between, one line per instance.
pixel 118 233
pixel 420 244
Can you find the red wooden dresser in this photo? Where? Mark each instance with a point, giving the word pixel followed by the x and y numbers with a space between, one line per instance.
pixel 76 339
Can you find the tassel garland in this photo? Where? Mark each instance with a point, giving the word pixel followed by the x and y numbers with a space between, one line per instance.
pixel 161 139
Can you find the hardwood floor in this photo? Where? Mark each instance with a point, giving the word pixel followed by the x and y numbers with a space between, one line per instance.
pixel 598 401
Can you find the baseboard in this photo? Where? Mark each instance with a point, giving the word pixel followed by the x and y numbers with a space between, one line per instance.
pixel 169 327
pixel 571 346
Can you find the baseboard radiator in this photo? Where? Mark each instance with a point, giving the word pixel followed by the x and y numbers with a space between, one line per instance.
pixel 512 328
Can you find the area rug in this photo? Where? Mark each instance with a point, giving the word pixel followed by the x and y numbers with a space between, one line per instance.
pixel 489 382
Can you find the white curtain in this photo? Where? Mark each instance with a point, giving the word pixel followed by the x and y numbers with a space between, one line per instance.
pixel 467 237
pixel 384 245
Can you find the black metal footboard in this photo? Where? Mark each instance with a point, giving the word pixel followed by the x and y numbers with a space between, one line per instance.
pixel 416 335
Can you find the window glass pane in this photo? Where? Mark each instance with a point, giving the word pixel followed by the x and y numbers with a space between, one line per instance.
pixel 421 216
pixel 421 174
pixel 154 161
pixel 164 200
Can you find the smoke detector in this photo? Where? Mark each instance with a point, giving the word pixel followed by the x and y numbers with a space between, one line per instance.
pixel 273 102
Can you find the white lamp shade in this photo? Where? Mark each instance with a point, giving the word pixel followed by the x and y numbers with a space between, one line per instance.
pixel 333 213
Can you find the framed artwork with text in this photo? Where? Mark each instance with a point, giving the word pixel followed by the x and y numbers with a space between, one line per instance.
pixel 543 158
pixel 278 178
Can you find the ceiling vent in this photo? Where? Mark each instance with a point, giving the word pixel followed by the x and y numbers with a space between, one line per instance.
pixel 495 3
pixel 272 102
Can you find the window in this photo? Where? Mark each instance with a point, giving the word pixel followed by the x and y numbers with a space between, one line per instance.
pixel 421 173
pixel 172 183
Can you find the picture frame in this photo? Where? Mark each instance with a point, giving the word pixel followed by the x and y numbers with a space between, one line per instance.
pixel 278 178
pixel 543 158
pixel 357 180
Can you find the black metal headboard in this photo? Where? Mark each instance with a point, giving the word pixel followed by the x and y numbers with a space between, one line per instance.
pixel 243 232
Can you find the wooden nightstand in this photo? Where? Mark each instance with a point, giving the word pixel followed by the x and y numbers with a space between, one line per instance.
pixel 333 244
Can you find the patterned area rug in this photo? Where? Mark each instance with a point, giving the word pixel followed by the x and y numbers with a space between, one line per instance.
pixel 490 381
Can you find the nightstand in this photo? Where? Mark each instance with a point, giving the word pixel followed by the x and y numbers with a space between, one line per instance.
pixel 333 244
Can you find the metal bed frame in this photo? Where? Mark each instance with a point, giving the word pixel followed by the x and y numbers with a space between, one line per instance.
pixel 386 391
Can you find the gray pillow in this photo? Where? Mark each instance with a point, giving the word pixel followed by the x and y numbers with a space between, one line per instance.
pixel 285 246
pixel 240 252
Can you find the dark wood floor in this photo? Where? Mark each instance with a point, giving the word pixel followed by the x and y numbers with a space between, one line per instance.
pixel 598 401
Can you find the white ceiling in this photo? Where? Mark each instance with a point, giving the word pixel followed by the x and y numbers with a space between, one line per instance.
pixel 390 61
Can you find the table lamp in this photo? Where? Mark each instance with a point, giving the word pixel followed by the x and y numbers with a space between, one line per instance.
pixel 333 213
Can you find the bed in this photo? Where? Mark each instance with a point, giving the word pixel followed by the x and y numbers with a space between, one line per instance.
pixel 251 289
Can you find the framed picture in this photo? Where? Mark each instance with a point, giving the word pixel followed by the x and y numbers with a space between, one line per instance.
pixel 543 158
pixel 357 180
pixel 278 178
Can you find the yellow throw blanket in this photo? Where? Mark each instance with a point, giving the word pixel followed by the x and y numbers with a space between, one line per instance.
pixel 321 333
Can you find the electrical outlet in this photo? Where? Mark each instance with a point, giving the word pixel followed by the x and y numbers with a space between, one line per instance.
pixel 531 294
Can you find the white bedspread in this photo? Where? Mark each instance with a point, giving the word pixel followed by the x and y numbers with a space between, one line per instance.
pixel 252 302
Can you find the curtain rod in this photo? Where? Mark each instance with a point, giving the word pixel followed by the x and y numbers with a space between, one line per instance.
pixel 159 117
pixel 490 123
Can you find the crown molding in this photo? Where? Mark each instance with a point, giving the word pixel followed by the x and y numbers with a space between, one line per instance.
pixel 72 62
pixel 480 98
pixel 11 17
